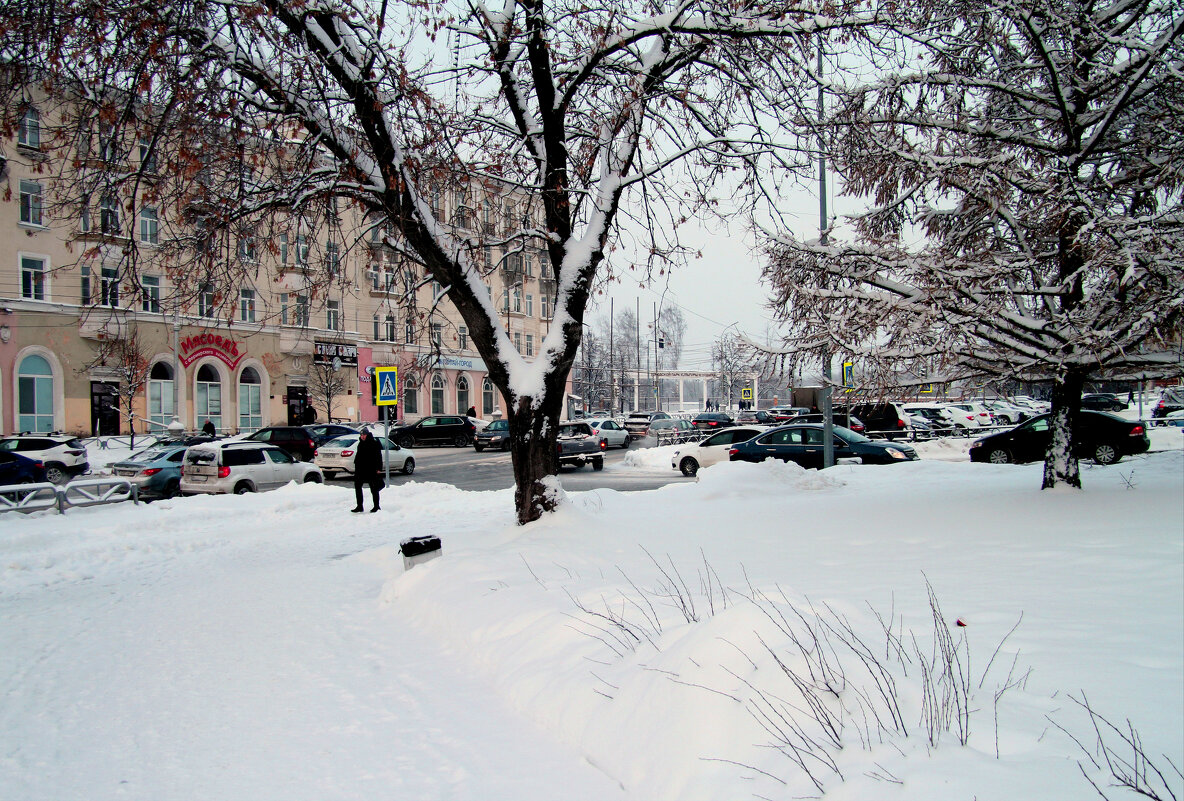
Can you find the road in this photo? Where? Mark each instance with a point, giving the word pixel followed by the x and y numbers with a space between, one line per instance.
pixel 490 470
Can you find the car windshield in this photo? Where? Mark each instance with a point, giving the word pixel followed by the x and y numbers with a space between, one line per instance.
pixel 150 454
pixel 498 425
pixel 575 430
pixel 341 442
pixel 849 436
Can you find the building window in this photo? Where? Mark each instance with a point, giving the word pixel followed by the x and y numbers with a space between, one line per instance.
pixel 250 400
pixel 333 258
pixel 437 335
pixel 147 157
pixel 283 308
pixel 205 301
pixel 246 246
pixel 462 394
pixel 376 336
pixel 527 265
pixel 530 344
pixel 545 306
pixel 84 286
pixel 462 338
pixel 518 300
pixel 284 251
pixel 84 214
pixel 109 214
pixel 208 398
pixel 150 284
pixel 390 328
pixel 437 394
pixel 300 317
pixel 32 278
pixel 518 341
pixel 486 398
pixel 409 333
pixel 34 406
pixel 246 305
pixel 29 134
pixel 31 203
pixel 410 397
pixel 530 305
pixel 487 252
pixel 301 251
pixel 149 226
pixel 160 397
pixel 506 300
pixel 108 286
pixel 333 315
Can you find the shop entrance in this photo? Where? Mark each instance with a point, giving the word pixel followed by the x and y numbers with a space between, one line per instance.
pixel 297 406
pixel 104 408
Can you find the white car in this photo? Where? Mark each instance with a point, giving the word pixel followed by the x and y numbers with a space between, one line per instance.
pixel 941 419
pixel 975 412
pixel 338 455
pixel 612 432
pixel 690 458
pixel 1005 412
pixel 240 467
pixel 63 457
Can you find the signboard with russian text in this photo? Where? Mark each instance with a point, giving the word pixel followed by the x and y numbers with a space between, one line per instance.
pixel 327 352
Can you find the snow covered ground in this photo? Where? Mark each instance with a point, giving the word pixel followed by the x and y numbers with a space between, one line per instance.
pixel 756 634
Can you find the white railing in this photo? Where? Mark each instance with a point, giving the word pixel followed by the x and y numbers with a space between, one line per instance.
pixel 82 492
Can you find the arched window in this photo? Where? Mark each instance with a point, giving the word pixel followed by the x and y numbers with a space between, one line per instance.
pixel 410 397
pixel 208 399
pixel 437 394
pixel 250 400
pixel 34 406
pixel 161 404
pixel 462 394
pixel 486 398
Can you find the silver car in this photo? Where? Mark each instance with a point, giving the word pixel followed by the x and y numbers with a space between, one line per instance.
pixel 337 456
pixel 240 467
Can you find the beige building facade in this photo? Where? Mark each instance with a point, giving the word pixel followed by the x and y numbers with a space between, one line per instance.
pixel 277 348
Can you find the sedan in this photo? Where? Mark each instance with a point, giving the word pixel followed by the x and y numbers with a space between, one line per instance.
pixel 323 432
pixel 712 421
pixel 612 434
pixel 838 418
pixel 496 435
pixel 1096 435
pixel 156 471
pixel 439 429
pixel 696 455
pixel 1103 402
pixel 337 455
pixel 803 444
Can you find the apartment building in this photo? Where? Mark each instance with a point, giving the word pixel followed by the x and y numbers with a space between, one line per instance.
pixel 310 307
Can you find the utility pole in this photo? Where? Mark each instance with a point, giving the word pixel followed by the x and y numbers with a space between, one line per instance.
pixel 828 421
pixel 612 379
pixel 657 366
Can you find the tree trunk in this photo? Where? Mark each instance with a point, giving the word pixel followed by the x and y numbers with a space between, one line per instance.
pixel 532 448
pixel 1060 462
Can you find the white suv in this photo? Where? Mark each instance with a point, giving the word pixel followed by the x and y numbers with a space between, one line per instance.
pixel 240 467
pixel 63 457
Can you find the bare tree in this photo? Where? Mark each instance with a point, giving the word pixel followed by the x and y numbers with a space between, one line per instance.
pixel 325 384
pixel 122 354
pixel 584 111
pixel 1022 162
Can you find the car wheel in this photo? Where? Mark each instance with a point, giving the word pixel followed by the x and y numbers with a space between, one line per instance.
pixel 405 442
pixel 999 456
pixel 312 478
pixel 628 441
pixel 506 444
pixel 461 441
pixel 243 487
pixel 408 467
pixel 598 463
pixel 55 473
pixel 172 489
pixel 688 466
pixel 478 448
pixel 1106 453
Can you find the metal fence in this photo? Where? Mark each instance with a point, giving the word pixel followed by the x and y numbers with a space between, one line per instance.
pixel 81 492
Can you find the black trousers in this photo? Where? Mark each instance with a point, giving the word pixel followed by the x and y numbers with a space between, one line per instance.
pixel 375 482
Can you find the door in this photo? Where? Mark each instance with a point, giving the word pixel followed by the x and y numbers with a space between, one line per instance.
pixel 282 468
pixel 297 405
pixel 104 408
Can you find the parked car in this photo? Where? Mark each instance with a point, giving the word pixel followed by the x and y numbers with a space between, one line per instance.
pixel 803 444
pixel 976 413
pixel 337 456
pixel 697 455
pixel 61 456
pixel 438 429
pixel 784 413
pixel 941 419
pixel 18 469
pixel 1096 435
pixel 1103 402
pixel 669 430
pixel 242 466
pixel 637 422
pixel 1005 413
pixel 495 435
pixel 712 421
pixel 757 417
pixel 156 470
pixel 578 445
pixel 837 418
pixel 1175 419
pixel 296 440
pixel 612 433
pixel 323 432
pixel 881 419
pixel 1172 400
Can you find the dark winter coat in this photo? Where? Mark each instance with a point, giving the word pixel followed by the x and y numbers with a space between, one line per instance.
pixel 368 460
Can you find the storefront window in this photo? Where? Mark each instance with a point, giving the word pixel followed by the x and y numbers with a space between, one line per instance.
pixel 250 401
pixel 437 394
pixel 160 397
pixel 462 394
pixel 208 398
pixel 486 398
pixel 410 397
pixel 35 395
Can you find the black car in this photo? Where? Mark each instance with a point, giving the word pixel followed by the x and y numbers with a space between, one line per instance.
pixel 884 419
pixel 439 429
pixel 323 432
pixel 759 417
pixel 803 444
pixel 296 440
pixel 837 418
pixel 712 421
pixel 1103 402
pixel 1096 435
pixel 496 435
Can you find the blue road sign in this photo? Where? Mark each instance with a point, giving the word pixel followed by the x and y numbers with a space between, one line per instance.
pixel 387 379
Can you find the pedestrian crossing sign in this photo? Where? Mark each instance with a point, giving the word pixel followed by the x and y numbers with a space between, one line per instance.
pixel 386 383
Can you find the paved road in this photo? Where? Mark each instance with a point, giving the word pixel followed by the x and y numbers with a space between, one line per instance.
pixel 490 470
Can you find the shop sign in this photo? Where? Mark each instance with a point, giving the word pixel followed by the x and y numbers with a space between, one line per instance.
pixel 450 363
pixel 210 344
pixel 335 353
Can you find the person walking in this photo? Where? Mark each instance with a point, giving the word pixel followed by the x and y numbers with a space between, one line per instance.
pixel 367 464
